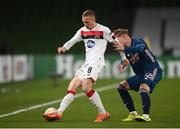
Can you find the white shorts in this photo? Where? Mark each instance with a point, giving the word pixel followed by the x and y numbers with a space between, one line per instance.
pixel 89 71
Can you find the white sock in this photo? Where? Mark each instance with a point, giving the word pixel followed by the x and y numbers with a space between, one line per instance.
pixel 96 101
pixel 134 113
pixel 67 100
pixel 146 116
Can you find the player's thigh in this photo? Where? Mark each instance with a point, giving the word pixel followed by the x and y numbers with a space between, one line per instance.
pixel 151 78
pixel 75 83
pixel 88 70
pixel 87 84
pixel 134 82
pixel 90 75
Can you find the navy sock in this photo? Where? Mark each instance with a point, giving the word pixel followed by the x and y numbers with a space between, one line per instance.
pixel 126 98
pixel 146 102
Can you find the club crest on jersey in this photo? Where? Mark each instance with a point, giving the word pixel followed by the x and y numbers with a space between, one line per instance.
pixel 90 43
pixel 135 58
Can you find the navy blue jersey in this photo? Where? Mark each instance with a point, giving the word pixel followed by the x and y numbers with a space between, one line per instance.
pixel 140 57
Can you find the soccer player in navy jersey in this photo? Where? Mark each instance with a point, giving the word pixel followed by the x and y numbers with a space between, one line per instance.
pixel 147 73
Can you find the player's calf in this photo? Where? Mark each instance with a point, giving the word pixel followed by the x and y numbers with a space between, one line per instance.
pixel 146 102
pixel 96 101
pixel 67 100
pixel 127 100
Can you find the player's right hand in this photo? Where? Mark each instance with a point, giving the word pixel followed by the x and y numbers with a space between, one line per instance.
pixel 61 50
pixel 123 64
pixel 118 45
pixel 121 68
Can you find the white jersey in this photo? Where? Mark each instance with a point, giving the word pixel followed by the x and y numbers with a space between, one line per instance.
pixel 95 41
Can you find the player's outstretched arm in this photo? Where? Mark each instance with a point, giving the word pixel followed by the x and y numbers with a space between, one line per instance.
pixel 61 50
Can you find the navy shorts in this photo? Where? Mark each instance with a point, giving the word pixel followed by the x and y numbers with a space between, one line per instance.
pixel 151 78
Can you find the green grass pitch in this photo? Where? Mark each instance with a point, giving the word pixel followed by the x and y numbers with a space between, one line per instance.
pixel 165 109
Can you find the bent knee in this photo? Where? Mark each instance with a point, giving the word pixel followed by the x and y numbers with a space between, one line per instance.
pixel 144 88
pixel 124 84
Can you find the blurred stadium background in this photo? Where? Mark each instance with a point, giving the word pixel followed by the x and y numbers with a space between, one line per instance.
pixel 32 73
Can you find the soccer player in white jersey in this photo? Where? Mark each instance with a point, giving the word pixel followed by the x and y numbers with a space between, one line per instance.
pixel 95 37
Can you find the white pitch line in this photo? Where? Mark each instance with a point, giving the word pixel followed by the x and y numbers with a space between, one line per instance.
pixel 104 88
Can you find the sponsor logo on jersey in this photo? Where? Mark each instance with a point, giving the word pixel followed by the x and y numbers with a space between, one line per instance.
pixel 92 34
pixel 90 43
